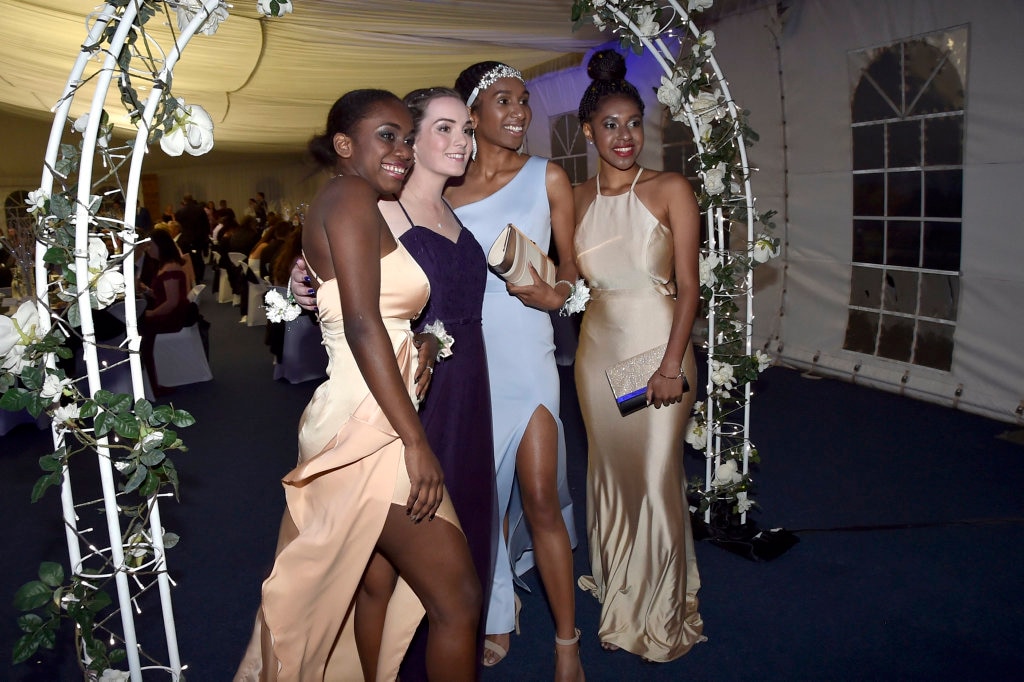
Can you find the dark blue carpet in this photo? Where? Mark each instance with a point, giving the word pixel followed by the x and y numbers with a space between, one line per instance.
pixel 910 518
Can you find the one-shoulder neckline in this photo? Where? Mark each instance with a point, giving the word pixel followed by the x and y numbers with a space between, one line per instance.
pixel 508 184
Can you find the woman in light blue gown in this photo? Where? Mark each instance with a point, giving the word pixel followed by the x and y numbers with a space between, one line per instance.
pixel 503 186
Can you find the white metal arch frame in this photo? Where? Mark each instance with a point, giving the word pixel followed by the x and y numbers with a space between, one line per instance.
pixel 124 18
pixel 724 419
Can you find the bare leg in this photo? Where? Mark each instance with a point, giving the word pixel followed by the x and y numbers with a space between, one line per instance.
pixel 537 472
pixel 433 558
pixel 503 640
pixel 375 591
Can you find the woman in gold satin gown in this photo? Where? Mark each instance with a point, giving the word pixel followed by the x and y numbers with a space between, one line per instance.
pixel 367 486
pixel 636 244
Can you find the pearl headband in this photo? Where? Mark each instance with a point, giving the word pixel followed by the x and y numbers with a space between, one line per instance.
pixel 490 78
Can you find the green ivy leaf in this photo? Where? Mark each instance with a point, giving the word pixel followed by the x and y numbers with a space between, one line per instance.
pixel 88 409
pixel 14 400
pixel 51 573
pixel 152 458
pixel 31 596
pixel 136 479
pixel 25 648
pixel 120 402
pixel 144 410
pixel 162 414
pixel 181 419
pixel 30 622
pixel 43 484
pixel 150 485
pixel 103 423
pixel 170 540
pixel 98 601
pixel 126 426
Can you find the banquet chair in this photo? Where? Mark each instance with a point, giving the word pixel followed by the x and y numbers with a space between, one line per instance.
pixel 303 357
pixel 256 313
pixel 236 272
pixel 195 292
pixel 180 358
pixel 112 355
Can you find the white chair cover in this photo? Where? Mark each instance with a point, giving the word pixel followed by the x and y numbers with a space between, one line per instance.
pixel 180 358
pixel 303 357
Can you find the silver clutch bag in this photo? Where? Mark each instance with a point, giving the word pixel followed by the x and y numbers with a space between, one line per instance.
pixel 629 378
pixel 513 253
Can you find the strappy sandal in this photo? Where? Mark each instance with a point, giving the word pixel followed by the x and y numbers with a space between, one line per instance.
pixel 571 642
pixel 499 652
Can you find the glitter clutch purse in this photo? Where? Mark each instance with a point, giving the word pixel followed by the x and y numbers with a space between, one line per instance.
pixel 512 254
pixel 629 378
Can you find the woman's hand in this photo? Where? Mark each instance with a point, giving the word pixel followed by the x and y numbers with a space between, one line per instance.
pixel 539 295
pixel 662 390
pixel 426 482
pixel 304 294
pixel 428 347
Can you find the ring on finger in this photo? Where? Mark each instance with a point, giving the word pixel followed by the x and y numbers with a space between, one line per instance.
pixel 430 369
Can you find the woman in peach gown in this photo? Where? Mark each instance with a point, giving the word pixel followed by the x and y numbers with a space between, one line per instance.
pixel 368 487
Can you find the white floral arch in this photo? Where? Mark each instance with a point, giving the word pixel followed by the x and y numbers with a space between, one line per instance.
pixel 85 261
pixel 696 92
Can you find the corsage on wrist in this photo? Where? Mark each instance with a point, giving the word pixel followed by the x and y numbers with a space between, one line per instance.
pixel 279 308
pixel 444 339
pixel 579 296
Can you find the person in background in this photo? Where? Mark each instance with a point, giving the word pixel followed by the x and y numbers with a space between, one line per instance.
pixel 195 233
pixel 167 307
pixel 636 244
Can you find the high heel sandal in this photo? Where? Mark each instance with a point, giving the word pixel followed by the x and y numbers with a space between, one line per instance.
pixel 499 652
pixel 571 642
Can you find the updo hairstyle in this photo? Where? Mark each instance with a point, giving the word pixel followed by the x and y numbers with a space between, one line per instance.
pixel 418 100
pixel 350 108
pixel 476 78
pixel 607 68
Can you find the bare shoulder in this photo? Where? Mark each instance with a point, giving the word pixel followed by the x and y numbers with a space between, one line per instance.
pixel 555 173
pixel 583 196
pixel 665 181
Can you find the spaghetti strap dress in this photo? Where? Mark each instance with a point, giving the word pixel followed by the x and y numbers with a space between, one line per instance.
pixel 456 411
pixel 351 470
pixel 521 363
pixel 638 521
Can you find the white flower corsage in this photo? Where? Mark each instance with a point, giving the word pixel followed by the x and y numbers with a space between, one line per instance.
pixel 279 308
pixel 444 339
pixel 579 296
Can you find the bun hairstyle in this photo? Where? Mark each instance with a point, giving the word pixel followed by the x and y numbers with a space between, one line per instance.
pixel 607 69
pixel 418 100
pixel 350 108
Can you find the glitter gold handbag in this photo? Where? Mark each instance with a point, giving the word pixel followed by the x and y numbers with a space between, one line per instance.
pixel 629 378
pixel 512 254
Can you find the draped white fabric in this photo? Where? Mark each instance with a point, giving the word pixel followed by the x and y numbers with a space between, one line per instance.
pixel 268 82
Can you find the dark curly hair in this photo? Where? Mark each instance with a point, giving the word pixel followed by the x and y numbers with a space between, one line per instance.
pixel 419 100
pixel 350 108
pixel 607 68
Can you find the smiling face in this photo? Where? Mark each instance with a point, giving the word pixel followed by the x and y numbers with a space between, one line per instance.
pixel 444 137
pixel 617 130
pixel 379 148
pixel 502 113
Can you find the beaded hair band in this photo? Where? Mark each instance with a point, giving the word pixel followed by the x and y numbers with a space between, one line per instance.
pixel 491 77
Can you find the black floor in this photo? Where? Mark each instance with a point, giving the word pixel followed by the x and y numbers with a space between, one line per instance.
pixel 909 565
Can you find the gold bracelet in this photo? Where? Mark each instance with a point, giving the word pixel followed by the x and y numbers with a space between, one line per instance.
pixel 668 377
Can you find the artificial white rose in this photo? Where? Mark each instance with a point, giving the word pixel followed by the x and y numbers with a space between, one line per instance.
pixel 280 309
pixel 669 94
pixel 20 328
pixel 598 3
pixel 742 503
pixel 52 386
pixel 187 9
pixel 696 434
pixel 192 131
pixel 110 675
pixel 108 286
pixel 705 105
pixel 151 441
pixel 707 39
pixel 706 267
pixel 764 249
pixel 699 5
pixel 764 361
pixel 714 179
pixel 599 22
pixel 37 200
pixel 98 255
pixel 726 474
pixel 102 133
pixel 14 359
pixel 66 413
pixel 274 8
pixel 722 374
pixel 646 22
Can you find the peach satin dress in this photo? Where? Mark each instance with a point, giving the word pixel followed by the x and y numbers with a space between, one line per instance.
pixel 351 470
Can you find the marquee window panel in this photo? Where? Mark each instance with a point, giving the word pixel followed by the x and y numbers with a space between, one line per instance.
pixel 907 112
pixel 569 146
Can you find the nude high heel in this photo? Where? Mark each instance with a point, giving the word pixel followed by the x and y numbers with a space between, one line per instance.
pixel 498 652
pixel 572 641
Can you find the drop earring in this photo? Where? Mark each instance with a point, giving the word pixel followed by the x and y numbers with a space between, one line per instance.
pixel 473 153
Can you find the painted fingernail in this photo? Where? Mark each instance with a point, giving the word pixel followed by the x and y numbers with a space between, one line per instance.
pixel 306 279
pixel 310 292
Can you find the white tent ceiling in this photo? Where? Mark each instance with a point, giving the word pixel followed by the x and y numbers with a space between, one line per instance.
pixel 269 82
